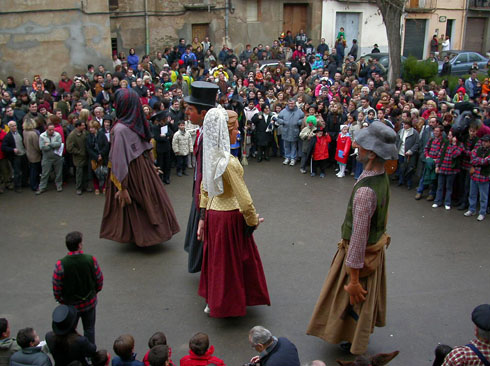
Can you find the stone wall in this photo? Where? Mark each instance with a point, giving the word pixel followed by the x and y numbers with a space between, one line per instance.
pixel 47 37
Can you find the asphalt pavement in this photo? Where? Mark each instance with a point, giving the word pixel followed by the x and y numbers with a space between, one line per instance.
pixel 437 268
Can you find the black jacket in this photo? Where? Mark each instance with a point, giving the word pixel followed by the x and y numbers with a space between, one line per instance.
pixel 262 138
pixel 98 145
pixel 163 144
pixel 8 145
pixel 76 349
pixel 284 353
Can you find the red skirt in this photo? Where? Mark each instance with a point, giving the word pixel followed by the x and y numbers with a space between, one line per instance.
pixel 232 276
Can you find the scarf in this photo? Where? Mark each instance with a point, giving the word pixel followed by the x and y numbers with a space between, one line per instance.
pixel 130 113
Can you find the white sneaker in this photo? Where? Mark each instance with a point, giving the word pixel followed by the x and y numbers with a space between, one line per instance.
pixel 469 213
pixel 207 310
pixel 286 161
pixel 480 217
pixel 341 175
pixel 447 207
pixel 293 162
pixel 435 205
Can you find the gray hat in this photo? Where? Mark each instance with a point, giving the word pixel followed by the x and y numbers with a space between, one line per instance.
pixel 481 316
pixel 380 139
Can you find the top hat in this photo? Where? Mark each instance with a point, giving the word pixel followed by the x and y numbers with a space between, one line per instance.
pixel 203 93
pixel 160 116
pixel 64 319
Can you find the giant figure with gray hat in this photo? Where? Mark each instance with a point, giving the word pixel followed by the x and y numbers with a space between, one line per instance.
pixel 353 298
pixel 200 105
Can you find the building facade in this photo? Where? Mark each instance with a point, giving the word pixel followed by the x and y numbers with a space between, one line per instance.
pixel 47 37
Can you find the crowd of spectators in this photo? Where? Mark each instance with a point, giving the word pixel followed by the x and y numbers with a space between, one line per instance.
pixel 294 100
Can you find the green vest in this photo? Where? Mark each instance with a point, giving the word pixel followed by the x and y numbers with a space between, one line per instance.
pixel 79 280
pixel 381 186
pixel 481 152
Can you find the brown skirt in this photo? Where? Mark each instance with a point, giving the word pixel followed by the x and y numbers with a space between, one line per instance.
pixel 329 320
pixel 149 219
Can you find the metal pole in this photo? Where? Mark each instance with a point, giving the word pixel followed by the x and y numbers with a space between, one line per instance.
pixel 227 11
pixel 147 29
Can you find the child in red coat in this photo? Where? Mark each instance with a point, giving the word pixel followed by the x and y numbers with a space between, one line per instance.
pixel 343 149
pixel 157 339
pixel 200 353
pixel 318 150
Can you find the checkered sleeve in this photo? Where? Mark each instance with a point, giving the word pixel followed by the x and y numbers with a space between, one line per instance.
pixel 363 207
pixel 98 275
pixel 58 275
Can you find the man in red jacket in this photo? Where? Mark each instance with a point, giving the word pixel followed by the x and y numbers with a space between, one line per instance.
pixel 200 353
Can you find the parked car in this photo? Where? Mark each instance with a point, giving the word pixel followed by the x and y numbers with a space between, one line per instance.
pixel 383 58
pixel 461 61
pixel 271 64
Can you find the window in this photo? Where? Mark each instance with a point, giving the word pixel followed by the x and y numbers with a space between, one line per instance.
pixel 252 10
pixel 113 4
pixel 474 57
pixel 463 58
pixel 114 45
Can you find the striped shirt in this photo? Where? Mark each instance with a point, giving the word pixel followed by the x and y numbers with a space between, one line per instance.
pixel 58 276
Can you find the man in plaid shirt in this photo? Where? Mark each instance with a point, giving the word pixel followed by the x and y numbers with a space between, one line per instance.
pixel 471 142
pixel 477 352
pixel 431 151
pixel 447 166
pixel 480 178
pixel 77 279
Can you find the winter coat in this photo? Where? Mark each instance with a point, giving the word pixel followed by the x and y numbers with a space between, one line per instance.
pixel 411 142
pixel 261 122
pixel 284 353
pixel 76 146
pixel 290 120
pixel 343 148
pixel 306 135
pixel 30 356
pixel 163 143
pixel 207 358
pixel 182 143
pixel 312 144
pixel 53 143
pixel 98 145
pixel 31 143
pixel 8 346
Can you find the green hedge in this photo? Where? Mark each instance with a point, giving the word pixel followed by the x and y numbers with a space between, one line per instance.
pixel 413 70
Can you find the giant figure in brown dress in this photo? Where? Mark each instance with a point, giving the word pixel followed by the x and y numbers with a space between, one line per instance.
pixel 137 208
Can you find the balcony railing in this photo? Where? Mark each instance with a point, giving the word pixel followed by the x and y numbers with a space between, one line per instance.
pixel 421 6
pixel 479 5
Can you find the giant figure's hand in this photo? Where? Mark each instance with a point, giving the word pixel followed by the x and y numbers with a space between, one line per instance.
pixel 123 197
pixel 356 293
pixel 200 230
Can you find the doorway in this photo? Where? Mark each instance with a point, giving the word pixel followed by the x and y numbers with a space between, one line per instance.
pixel 449 32
pixel 350 23
pixel 200 31
pixel 295 17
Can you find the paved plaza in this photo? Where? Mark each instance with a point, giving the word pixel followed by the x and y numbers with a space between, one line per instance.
pixel 437 266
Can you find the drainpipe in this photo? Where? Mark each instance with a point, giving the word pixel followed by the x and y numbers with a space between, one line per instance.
pixel 463 25
pixel 227 11
pixel 147 29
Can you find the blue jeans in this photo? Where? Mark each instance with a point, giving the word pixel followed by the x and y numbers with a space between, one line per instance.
pixel 482 188
pixel 444 181
pixel 290 149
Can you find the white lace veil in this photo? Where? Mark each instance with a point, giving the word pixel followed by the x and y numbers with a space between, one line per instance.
pixel 216 150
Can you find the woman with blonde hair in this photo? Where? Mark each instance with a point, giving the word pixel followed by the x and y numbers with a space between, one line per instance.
pixel 84 116
pixel 33 152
